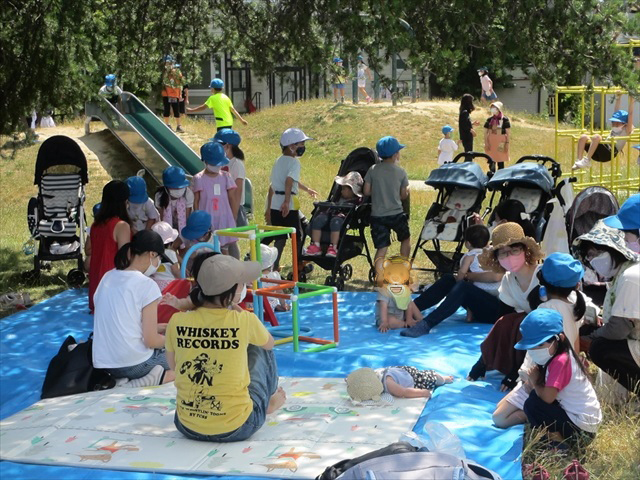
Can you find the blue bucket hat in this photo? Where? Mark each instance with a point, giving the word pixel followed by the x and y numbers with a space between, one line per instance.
pixel 174 177
pixel 168 58
pixel 212 153
pixel 628 217
pixel 110 80
pixel 388 146
pixel 198 223
pixel 538 327
pixel 337 60
pixel 621 116
pixel 637 147
pixel 137 190
pixel 227 135
pixel 562 270
pixel 216 83
pixel 447 129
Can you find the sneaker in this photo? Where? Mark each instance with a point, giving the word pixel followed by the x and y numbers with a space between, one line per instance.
pixel 169 126
pixel 331 251
pixel 179 129
pixel 368 99
pixel 584 162
pixel 313 249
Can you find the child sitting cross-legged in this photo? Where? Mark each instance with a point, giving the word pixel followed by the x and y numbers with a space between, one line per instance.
pixel 350 193
pixel 226 372
pixel 402 381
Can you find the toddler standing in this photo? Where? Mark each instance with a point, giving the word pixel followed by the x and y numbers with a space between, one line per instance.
pixel 213 188
pixel 142 211
pixel 447 146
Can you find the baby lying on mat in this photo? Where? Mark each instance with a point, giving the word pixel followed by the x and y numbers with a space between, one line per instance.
pixel 401 381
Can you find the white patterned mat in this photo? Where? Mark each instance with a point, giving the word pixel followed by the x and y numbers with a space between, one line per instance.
pixel 132 429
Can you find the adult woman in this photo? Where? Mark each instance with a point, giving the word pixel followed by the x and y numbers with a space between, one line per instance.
pixel 517 256
pixel 110 231
pixel 465 125
pixel 615 346
pixel 497 132
pixel 126 341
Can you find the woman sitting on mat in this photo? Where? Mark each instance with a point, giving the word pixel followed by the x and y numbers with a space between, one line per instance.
pixel 473 288
pixel 226 373
pixel 516 256
pixel 126 341
pixel 559 278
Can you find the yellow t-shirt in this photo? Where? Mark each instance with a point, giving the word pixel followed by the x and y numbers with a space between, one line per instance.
pixel 221 106
pixel 212 373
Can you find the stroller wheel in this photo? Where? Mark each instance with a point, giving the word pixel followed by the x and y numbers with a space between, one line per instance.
pixel 346 271
pixel 75 278
pixel 329 281
pixel 340 284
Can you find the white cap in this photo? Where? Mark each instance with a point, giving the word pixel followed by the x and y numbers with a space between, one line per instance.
pixel 166 231
pixel 293 135
pixel 268 256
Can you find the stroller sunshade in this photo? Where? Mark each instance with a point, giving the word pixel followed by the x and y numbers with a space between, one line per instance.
pixel 465 175
pixel 523 174
pixel 60 150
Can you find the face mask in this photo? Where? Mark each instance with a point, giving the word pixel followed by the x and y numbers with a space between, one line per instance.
pixel 513 263
pixel 494 111
pixel 479 74
pixel 634 246
pixel 239 297
pixel 177 192
pixel 540 356
pixel 603 265
pixel 213 168
pixel 300 151
pixel 617 129
pixel 151 269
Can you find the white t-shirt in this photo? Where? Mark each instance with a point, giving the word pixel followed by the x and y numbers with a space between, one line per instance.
pixel 117 323
pixel 489 287
pixel 116 90
pixel 623 300
pixel 164 270
pixel 237 170
pixel 512 294
pixel 188 196
pixel 569 324
pixel 447 146
pixel 284 167
pixel 140 213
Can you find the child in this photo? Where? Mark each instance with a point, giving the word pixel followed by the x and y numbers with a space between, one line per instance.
pixel 621 126
pixel 447 146
pixel 110 90
pixel 141 209
pixel 497 131
pixel 487 95
pixel 268 256
pixel 226 373
pixel 213 191
pixel 338 79
pixel 394 307
pixel 388 186
pixel 561 397
pixel 402 381
pixel 559 279
pixel 362 80
pixel 221 105
pixel 167 271
pixel 230 141
pixel 172 81
pixel 476 237
pixel 174 198
pixel 350 193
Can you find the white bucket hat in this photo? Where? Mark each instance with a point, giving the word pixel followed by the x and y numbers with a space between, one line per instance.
pixel 166 231
pixel 268 256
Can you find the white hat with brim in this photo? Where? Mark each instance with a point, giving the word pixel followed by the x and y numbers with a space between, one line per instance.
pixel 293 135
pixel 166 231
pixel 268 256
pixel 221 272
pixel 353 180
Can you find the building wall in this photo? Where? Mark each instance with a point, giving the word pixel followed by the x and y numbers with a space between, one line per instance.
pixel 521 96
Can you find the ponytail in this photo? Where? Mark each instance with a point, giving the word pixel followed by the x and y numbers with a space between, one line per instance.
pixel 580 308
pixel 164 196
pixel 534 299
pixel 123 257
pixel 237 152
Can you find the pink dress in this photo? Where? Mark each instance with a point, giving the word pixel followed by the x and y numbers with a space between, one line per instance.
pixel 214 198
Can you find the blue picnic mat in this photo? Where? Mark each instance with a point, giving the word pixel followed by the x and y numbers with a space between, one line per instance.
pixel 31 338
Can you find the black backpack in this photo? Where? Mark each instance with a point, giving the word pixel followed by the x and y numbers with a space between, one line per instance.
pixel 72 371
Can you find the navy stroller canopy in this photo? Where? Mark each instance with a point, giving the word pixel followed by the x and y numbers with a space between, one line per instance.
pixel 60 150
pixel 465 175
pixel 526 173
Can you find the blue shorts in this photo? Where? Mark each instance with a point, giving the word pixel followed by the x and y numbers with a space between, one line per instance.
pixel 137 371
pixel 493 96
pixel 338 85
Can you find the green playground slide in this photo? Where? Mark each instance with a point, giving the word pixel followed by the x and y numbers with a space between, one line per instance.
pixel 144 134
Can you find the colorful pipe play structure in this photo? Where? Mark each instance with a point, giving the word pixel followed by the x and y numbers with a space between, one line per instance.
pixel 255 234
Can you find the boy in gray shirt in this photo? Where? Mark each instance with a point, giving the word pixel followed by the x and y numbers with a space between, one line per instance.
pixel 388 186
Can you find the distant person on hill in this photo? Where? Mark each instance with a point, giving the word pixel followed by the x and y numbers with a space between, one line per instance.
pixel 465 125
pixel 171 92
pixel 338 79
pixel 363 72
pixel 447 146
pixel 110 90
pixel 488 94
pixel 221 105
pixel 497 132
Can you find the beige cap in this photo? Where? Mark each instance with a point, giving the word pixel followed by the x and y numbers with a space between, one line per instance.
pixel 221 272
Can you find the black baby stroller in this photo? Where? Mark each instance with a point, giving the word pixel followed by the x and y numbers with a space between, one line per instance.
pixel 461 189
pixel 353 241
pixel 56 216
pixel 532 183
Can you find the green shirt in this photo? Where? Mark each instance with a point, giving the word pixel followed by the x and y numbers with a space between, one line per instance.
pixel 221 106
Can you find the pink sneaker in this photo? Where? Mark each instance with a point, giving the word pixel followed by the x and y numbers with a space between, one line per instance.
pixel 331 251
pixel 313 249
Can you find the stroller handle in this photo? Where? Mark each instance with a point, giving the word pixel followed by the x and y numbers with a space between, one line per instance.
pixel 554 168
pixel 472 155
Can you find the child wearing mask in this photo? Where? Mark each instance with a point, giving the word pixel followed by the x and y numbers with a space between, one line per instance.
pixel 174 199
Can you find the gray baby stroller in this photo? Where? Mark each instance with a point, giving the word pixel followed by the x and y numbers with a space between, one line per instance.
pixel 461 189
pixel 56 216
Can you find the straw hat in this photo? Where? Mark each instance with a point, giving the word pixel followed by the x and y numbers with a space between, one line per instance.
pixel 504 235
pixel 364 384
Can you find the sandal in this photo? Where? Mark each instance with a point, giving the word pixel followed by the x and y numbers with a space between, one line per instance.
pixel 575 471
pixel 479 370
pixel 535 471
